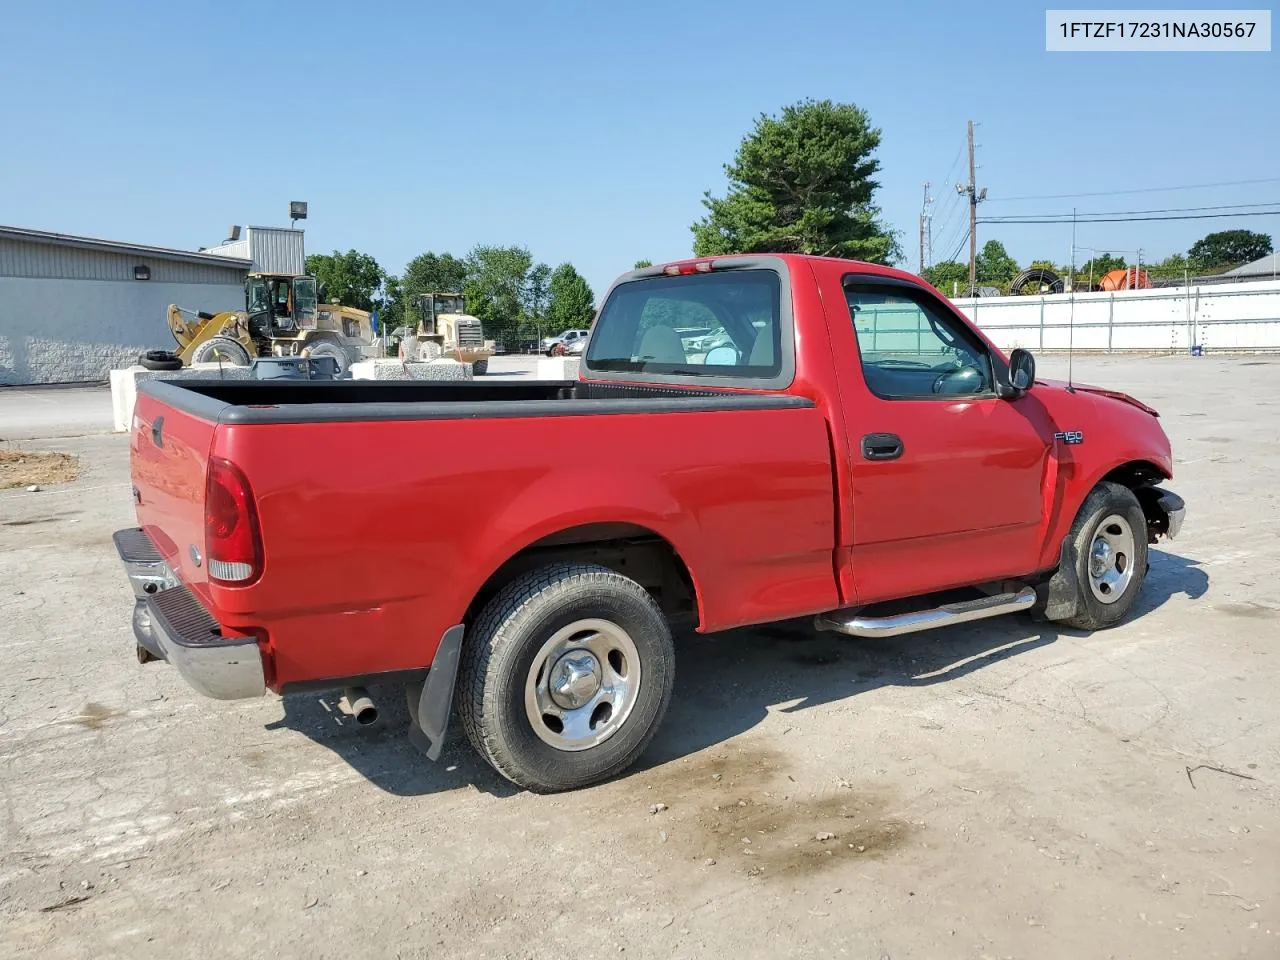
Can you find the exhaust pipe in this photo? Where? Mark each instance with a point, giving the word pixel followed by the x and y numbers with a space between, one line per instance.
pixel 361 706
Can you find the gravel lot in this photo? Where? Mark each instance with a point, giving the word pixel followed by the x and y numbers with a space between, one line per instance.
pixel 1001 789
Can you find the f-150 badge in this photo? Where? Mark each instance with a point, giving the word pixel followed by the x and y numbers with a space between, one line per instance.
pixel 1069 436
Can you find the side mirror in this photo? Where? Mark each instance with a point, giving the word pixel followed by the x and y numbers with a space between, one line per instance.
pixel 721 357
pixel 323 293
pixel 1022 370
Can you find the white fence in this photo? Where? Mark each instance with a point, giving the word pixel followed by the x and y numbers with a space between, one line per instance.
pixel 1237 316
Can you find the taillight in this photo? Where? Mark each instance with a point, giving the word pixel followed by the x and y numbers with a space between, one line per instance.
pixel 232 545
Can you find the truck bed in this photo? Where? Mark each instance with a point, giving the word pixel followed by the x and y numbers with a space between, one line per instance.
pixel 385 507
pixel 305 401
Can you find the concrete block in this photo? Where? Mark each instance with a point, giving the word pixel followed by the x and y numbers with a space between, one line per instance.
pixel 557 368
pixel 389 368
pixel 124 385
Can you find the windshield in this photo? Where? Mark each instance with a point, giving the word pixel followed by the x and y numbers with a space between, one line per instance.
pixel 449 304
pixel 706 324
pixel 256 296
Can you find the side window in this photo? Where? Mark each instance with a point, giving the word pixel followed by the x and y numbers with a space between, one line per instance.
pixel 911 349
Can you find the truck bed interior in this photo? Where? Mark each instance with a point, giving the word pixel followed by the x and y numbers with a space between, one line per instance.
pixel 294 401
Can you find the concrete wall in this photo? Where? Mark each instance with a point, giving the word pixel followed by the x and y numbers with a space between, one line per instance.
pixel 64 331
pixel 1237 316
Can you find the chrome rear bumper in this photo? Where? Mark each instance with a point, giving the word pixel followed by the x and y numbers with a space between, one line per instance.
pixel 170 623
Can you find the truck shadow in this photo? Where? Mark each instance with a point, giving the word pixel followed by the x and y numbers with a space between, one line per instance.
pixel 725 685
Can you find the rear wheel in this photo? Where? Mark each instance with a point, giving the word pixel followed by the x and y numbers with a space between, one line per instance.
pixel 221 350
pixel 1110 540
pixel 480 367
pixel 566 677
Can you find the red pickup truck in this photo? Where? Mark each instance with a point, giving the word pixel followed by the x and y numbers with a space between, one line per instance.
pixel 752 438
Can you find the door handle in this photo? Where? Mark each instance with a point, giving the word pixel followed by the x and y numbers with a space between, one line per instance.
pixel 881 446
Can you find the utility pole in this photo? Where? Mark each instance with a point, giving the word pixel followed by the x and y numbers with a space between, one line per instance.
pixel 975 197
pixel 926 230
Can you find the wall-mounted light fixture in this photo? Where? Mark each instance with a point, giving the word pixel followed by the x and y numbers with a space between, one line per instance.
pixel 142 272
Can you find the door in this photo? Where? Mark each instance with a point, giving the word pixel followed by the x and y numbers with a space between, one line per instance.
pixel 947 476
pixel 306 302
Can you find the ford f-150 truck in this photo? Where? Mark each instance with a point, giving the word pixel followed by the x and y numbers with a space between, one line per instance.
pixel 843 438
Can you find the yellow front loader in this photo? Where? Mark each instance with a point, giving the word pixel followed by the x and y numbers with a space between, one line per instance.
pixel 282 318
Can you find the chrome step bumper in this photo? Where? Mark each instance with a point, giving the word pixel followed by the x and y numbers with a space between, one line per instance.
pixel 945 615
pixel 170 623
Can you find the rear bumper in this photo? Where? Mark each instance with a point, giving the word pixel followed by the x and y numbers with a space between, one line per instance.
pixel 170 622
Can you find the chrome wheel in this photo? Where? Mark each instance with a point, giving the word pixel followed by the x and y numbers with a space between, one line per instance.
pixel 1111 559
pixel 582 685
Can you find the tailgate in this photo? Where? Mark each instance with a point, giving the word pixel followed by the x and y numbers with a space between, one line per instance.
pixel 169 450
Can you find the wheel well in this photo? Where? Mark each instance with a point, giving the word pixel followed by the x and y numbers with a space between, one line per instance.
pixel 1141 476
pixel 1135 474
pixel 631 550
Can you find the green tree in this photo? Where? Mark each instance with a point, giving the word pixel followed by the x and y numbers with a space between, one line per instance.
pixel 537 291
pixel 496 288
pixel 352 279
pixel 641 264
pixel 801 182
pixel 428 273
pixel 1173 267
pixel 1047 265
pixel 950 277
pixel 390 306
pixel 572 302
pixel 994 266
pixel 1094 269
pixel 1228 248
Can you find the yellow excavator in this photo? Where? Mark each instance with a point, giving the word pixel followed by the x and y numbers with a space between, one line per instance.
pixel 283 317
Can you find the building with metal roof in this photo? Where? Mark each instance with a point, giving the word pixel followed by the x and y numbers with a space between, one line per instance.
pixel 1264 268
pixel 73 308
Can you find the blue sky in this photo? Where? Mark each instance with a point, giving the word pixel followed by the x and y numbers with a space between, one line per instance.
pixel 588 131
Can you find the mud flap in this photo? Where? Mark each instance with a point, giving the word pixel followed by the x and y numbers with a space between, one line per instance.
pixel 1059 597
pixel 429 711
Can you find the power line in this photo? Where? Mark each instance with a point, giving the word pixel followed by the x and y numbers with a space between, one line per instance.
pixel 1118 193
pixel 1197 216
pixel 951 169
pixel 959 247
pixel 948 214
pixel 1066 217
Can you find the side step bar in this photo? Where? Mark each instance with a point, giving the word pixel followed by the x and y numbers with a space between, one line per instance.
pixel 943 616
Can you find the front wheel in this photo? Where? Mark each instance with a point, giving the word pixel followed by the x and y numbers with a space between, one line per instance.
pixel 566 676
pixel 221 350
pixel 480 367
pixel 1110 540
pixel 327 348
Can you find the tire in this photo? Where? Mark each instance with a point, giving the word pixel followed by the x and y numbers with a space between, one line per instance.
pixel 160 360
pixel 580 623
pixel 328 348
pixel 480 367
pixel 1109 513
pixel 224 348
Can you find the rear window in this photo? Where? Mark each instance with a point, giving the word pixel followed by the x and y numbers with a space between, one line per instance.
pixel 712 324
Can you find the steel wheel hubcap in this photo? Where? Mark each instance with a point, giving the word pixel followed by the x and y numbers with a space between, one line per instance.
pixel 1111 558
pixel 582 685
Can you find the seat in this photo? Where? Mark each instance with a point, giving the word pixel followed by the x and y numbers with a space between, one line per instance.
pixel 762 349
pixel 661 345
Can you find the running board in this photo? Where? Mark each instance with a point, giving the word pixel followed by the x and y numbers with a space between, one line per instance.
pixel 943 616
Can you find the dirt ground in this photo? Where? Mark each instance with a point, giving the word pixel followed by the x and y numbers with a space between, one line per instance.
pixel 1000 789
pixel 24 468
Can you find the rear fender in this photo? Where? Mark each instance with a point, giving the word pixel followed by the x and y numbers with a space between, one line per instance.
pixel 591 497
